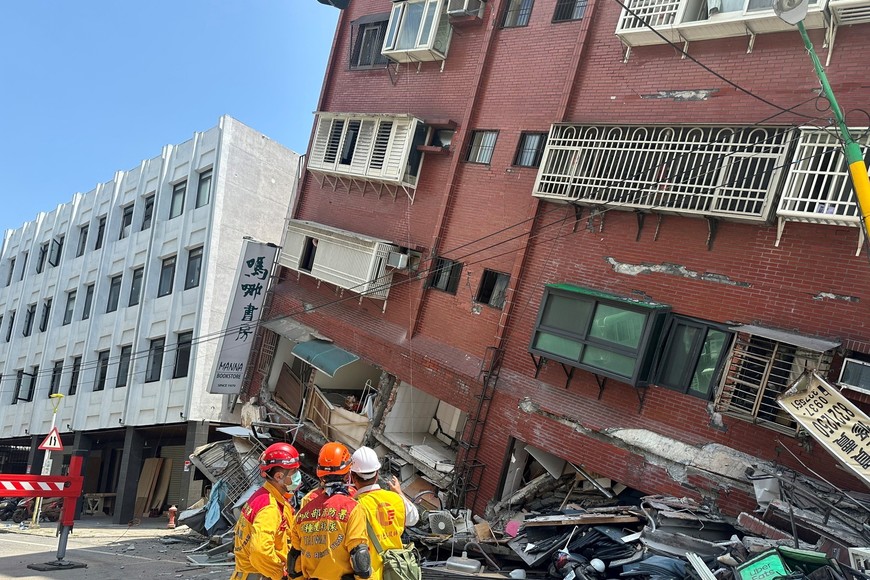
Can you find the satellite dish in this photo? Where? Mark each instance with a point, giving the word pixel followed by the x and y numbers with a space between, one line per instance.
pixel 791 11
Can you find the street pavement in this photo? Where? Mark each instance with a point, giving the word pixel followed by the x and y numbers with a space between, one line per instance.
pixel 147 549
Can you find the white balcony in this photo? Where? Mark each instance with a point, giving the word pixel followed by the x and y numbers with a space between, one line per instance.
pixel 690 20
pixel 818 189
pixel 723 172
pixel 346 259
pixel 365 149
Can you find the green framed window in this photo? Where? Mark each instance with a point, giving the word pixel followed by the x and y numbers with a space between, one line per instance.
pixel 599 332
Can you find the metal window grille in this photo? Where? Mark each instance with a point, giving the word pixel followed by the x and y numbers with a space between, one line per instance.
pixel 267 351
pixel 721 171
pixel 648 12
pixel 759 370
pixel 530 149
pixel 818 188
pixel 569 10
pixel 517 13
pixel 481 146
pixel 366 45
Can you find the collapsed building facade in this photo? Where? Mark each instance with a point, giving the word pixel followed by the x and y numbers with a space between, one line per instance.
pixel 544 236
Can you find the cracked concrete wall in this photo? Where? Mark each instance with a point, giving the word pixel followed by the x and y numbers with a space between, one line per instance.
pixel 672 270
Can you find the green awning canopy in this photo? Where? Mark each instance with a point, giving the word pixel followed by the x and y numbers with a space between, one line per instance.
pixel 323 355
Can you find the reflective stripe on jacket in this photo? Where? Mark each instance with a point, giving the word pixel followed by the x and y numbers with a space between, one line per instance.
pixel 325 532
pixel 385 510
pixel 263 533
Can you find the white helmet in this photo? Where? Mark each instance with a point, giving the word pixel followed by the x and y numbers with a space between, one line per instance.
pixel 365 462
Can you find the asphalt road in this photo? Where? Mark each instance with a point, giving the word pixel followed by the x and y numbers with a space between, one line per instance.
pixel 120 554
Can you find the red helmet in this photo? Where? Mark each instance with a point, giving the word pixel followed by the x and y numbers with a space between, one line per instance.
pixel 334 459
pixel 278 455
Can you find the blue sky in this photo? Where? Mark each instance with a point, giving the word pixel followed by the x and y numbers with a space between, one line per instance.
pixel 91 87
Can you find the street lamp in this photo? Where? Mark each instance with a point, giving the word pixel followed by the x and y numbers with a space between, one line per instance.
pixel 793 12
pixel 46 460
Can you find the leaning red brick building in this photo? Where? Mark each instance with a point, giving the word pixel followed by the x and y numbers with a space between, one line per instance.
pixel 545 235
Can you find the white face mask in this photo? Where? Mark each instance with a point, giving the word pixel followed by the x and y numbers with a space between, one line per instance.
pixel 295 482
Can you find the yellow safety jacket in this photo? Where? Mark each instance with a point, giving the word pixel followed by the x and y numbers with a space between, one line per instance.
pixel 262 534
pixel 385 510
pixel 325 532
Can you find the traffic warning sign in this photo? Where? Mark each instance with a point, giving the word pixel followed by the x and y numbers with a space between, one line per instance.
pixel 52 441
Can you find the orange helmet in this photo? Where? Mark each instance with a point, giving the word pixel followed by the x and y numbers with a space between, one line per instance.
pixel 278 455
pixel 334 459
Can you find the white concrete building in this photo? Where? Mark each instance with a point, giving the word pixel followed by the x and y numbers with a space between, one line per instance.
pixel 116 299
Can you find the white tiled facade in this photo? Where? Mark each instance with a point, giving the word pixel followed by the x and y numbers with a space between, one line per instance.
pixel 251 182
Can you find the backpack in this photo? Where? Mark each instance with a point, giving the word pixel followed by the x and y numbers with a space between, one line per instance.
pixel 399 563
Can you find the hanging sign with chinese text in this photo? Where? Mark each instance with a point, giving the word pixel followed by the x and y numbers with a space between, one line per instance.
pixel 246 302
pixel 834 421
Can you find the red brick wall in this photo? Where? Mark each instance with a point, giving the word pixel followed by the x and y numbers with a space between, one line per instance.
pixel 522 84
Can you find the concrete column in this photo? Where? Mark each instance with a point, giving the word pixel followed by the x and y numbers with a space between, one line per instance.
pixel 190 491
pixel 82 445
pixel 36 456
pixel 131 468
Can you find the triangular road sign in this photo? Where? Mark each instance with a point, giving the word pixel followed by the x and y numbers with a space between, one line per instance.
pixel 52 441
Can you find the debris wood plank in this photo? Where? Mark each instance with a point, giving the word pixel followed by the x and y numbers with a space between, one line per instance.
pixel 581 520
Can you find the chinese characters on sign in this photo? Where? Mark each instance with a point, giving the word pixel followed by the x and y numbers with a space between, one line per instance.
pixel 833 421
pixel 246 303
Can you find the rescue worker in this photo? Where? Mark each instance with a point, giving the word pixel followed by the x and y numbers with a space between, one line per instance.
pixel 388 510
pixel 262 533
pixel 329 535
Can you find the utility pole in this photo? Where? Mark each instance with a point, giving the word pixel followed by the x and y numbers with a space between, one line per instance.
pixel 46 461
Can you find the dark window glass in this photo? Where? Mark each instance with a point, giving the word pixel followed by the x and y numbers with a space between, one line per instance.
pixel 25 385
pixel 40 258
pixel 74 375
pixel 530 149
pixel 692 357
pixel 493 286
pixel 70 307
pixel 19 378
pixel 124 366
pixel 182 355
pixel 11 325
pixel 102 370
pixel 101 231
pixel 83 240
pixel 29 315
pixel 46 315
pixel 155 360
pixel 517 13
pixel 114 293
pixel 136 286
pixel 11 271
pixel 23 266
pixel 56 372
pixel 55 252
pixel 203 188
pixel 176 206
pixel 367 42
pixel 167 275
pixel 126 222
pixel 569 10
pixel 445 275
pixel 149 212
pixel 89 300
pixel 194 266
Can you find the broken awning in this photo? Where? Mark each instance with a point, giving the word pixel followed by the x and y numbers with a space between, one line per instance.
pixel 323 355
pixel 799 340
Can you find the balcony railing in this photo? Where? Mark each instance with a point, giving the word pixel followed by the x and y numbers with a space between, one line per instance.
pixel 726 172
pixel 689 20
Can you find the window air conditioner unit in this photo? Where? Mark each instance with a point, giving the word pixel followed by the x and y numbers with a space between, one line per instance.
pixel 464 7
pixel 397 260
pixel 855 375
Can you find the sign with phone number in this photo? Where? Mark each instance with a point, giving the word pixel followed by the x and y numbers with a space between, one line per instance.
pixel 834 421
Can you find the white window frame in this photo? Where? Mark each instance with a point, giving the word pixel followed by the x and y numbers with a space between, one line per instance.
pixel 428 45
